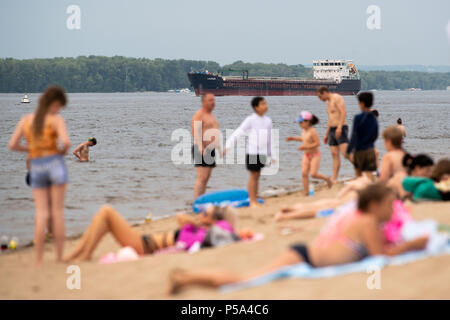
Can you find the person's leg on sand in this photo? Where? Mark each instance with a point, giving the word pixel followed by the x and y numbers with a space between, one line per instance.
pixel 290 213
pixel 57 195
pixel 305 174
pixel 314 170
pixel 180 279
pixel 41 202
pixel 106 219
pixel 201 181
pixel 253 182
pixel 307 210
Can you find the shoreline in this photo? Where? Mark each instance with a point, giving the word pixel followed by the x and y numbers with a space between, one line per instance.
pixel 318 187
pixel 147 278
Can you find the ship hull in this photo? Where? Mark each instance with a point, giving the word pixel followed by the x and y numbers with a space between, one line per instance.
pixel 206 83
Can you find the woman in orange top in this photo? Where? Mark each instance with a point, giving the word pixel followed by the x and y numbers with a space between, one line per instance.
pixel 42 130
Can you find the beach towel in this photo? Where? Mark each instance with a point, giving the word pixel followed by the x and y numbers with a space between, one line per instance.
pixel 122 255
pixel 438 244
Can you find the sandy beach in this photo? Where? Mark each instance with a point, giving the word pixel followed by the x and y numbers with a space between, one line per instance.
pixel 147 278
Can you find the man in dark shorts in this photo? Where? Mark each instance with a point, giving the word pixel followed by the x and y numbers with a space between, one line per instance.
pixel 337 128
pixel 206 159
pixel 203 149
pixel 364 135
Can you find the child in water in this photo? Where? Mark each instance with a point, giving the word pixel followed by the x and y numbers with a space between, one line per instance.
pixel 310 146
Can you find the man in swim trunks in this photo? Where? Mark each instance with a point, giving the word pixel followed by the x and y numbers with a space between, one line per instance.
pixel 337 129
pixel 204 127
pixel 82 151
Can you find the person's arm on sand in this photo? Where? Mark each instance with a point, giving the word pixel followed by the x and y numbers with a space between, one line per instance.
pixel 374 242
pixel 62 134
pixel 340 105
pixel 14 143
pixel 184 219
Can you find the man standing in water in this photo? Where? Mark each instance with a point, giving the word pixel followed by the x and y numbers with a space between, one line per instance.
pixel 337 129
pixel 82 151
pixel 203 149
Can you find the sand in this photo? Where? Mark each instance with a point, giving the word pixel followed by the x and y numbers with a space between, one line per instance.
pixel 147 278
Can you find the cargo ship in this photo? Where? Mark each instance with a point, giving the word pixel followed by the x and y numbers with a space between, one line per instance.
pixel 340 76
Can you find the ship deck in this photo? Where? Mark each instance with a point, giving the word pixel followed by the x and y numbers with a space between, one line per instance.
pixel 284 79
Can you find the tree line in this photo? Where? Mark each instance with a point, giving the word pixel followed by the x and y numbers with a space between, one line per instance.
pixel 122 74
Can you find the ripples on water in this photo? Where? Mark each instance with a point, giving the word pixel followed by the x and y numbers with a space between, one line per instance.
pixel 131 167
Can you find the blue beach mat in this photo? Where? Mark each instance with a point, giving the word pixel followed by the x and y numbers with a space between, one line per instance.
pixel 304 270
pixel 234 197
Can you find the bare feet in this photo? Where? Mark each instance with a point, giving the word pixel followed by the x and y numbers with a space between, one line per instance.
pixel 329 183
pixel 281 214
pixel 175 281
pixel 254 205
pixel 278 216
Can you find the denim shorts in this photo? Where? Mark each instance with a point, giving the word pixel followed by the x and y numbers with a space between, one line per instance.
pixel 48 171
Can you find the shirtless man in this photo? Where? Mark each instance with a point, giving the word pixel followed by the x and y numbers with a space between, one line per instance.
pixel 82 151
pixel 337 129
pixel 205 143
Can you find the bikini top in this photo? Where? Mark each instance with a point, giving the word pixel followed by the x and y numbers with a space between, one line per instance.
pixel 46 144
pixel 333 231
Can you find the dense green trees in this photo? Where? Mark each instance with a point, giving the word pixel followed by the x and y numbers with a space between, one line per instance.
pixel 391 80
pixel 112 74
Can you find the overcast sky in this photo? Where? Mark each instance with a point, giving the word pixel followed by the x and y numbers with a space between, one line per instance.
pixel 288 31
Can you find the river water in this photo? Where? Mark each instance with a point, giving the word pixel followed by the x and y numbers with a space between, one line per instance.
pixel 131 165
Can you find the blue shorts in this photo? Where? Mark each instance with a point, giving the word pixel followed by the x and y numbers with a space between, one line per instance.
pixel 48 171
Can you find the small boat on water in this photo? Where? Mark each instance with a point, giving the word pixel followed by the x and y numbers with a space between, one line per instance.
pixel 185 90
pixel 25 99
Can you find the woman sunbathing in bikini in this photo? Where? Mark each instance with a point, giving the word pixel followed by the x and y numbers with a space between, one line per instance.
pixel 346 238
pixel 191 230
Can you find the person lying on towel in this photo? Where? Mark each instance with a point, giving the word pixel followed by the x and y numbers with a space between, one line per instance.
pixel 214 226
